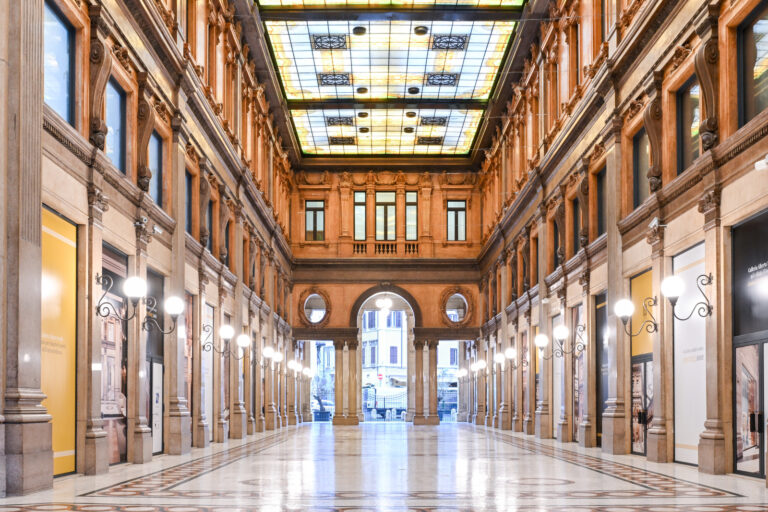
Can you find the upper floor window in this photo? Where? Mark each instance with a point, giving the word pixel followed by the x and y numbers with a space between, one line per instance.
pixel 641 163
pixel 576 227
pixel 394 319
pixel 603 22
pixel 385 216
pixel 411 215
pixel 373 354
pixel 227 230
pixel 392 355
pixel 315 217
pixel 688 119
pixel 555 246
pixel 600 188
pixel 155 159
pixel 209 225
pixel 457 221
pixel 188 182
pixel 115 117
pixel 454 355
pixel 369 319
pixel 753 71
pixel 359 215
pixel 59 63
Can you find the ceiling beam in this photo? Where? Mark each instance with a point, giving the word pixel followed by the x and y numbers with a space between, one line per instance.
pixel 389 14
pixel 387 104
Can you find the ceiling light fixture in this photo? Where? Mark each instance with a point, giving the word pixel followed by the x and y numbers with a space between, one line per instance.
pixel 359 31
pixel 421 30
pixel 413 90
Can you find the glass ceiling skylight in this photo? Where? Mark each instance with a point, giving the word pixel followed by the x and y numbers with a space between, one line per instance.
pixel 389 3
pixel 392 131
pixel 365 60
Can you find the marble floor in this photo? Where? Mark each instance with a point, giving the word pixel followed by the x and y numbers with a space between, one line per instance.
pixel 395 466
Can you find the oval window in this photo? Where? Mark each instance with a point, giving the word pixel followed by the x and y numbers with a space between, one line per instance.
pixel 456 308
pixel 315 308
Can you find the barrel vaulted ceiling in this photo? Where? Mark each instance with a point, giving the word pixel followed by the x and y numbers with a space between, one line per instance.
pixel 390 81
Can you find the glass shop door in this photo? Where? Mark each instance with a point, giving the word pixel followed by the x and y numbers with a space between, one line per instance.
pixel 749 408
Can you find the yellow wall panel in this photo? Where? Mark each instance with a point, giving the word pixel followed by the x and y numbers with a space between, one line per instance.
pixel 641 287
pixel 59 335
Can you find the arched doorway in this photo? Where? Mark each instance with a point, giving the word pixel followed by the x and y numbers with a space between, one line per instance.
pixel 385 321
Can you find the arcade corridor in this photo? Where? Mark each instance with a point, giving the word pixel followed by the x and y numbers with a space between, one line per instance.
pixel 396 466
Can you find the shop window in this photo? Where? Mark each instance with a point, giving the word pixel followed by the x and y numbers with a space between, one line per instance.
pixel 115 118
pixel 641 163
pixel 59 63
pixel 753 71
pixel 155 158
pixel 576 225
pixel 188 183
pixel 411 215
pixel 688 119
pixel 360 216
pixel 457 221
pixel 385 216
pixel 600 188
pixel 315 221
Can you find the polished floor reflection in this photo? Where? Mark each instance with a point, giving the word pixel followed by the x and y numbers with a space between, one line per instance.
pixel 395 466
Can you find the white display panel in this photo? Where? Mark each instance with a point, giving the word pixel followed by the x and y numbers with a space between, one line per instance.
pixel 157 407
pixel 206 370
pixel 557 381
pixel 689 357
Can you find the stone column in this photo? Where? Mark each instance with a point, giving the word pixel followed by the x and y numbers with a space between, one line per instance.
pixel 249 370
pixel 508 375
pixel 306 404
pixel 434 417
pixel 270 410
pixel 587 434
pixel 258 384
pixel 499 391
pixel 338 382
pixel 28 445
pixel 482 391
pixel 283 373
pixel 177 414
pixel 615 424
pixel 657 442
pixel 517 377
pixel 221 424
pixel 418 370
pixel 95 457
pixel 543 413
pixel 138 431
pixel 292 393
pixel 529 418
pixel 463 383
pixel 352 418
pixel 202 424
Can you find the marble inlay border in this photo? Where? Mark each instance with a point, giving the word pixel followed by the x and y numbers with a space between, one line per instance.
pixel 90 507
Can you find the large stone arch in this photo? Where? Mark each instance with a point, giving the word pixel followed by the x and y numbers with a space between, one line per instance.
pixel 382 288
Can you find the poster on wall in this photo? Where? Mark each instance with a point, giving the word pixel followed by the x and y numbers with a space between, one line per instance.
pixel 114 359
pixel 58 344
pixel 524 357
pixel 690 369
pixel 188 334
pixel 579 373
pixel 558 382
pixel 750 276
pixel 206 369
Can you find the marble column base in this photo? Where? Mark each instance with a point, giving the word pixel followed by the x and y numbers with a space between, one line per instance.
pixel 142 445
pixel 202 435
pixel 489 420
pixel 656 445
pixel 528 426
pixel 293 419
pixel 585 435
pixel 221 434
pixel 261 424
pixel 419 419
pixel 543 426
pixel 479 419
pixel 563 432
pixel 345 420
pixel 237 423
pixel 270 421
pixel 251 425
pixel 505 420
pixel 307 417
pixel 28 457
pixel 712 453
pixel 495 421
pixel 433 419
pixel 96 458
pixel 179 435
pixel 462 417
pixel 614 434
pixel 517 424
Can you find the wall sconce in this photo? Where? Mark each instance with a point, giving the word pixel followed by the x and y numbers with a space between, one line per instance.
pixel 511 354
pixel 461 373
pixel 478 366
pixel 135 289
pixel 673 287
pixel 296 366
pixel 499 359
pixel 624 309
pixel 308 373
pixel 561 334
pixel 226 332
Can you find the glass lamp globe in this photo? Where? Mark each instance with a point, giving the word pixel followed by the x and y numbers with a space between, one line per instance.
pixel 541 340
pixel 277 357
pixel 306 372
pixel 243 341
pixel 498 358
pixel 268 352
pixel 473 367
pixel 461 373
pixel 510 353
pixel 135 288
pixel 672 287
pixel 624 309
pixel 174 306
pixel 560 333
pixel 226 332
pixel 481 364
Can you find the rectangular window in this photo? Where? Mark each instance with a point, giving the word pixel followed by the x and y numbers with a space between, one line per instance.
pixel 753 72
pixel 411 215
pixel 315 217
pixel 385 216
pixel 209 222
pixel 188 183
pixel 394 319
pixel 555 246
pixel 59 63
pixel 603 24
pixel 225 257
pixel 576 228
pixel 359 216
pixel 688 119
pixel 457 221
pixel 155 158
pixel 392 355
pixel 454 357
pixel 600 182
pixel 115 107
pixel 641 163
pixel 373 354
pixel 370 322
